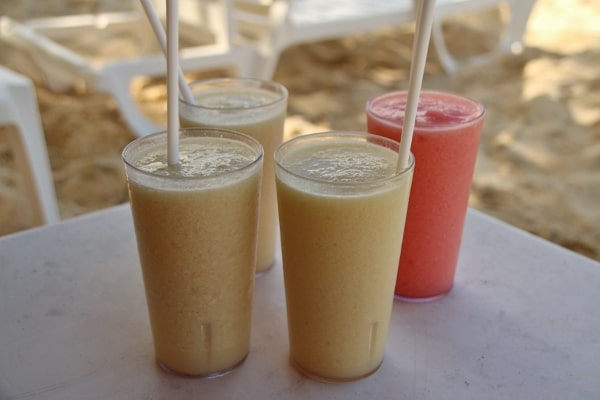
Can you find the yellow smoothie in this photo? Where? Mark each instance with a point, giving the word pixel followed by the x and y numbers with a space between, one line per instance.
pixel 257 109
pixel 196 226
pixel 342 208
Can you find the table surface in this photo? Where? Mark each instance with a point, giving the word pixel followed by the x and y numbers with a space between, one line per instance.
pixel 521 323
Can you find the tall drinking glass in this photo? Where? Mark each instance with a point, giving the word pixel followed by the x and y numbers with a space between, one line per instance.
pixel 195 226
pixel 445 143
pixel 342 206
pixel 256 108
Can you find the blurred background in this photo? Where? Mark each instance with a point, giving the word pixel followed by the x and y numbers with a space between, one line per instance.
pixel 539 161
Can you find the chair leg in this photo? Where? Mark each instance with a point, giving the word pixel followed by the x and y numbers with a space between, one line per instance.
pixel 520 11
pixel 511 40
pixel 446 59
pixel 139 124
pixel 118 86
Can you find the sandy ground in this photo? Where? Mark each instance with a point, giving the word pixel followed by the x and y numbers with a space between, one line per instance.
pixel 539 161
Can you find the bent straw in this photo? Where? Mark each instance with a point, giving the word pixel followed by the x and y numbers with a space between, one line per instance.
pixel 172 81
pixel 162 40
pixel 420 46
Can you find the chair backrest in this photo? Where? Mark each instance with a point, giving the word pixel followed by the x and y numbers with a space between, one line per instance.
pixel 206 42
pixel 18 107
pixel 278 24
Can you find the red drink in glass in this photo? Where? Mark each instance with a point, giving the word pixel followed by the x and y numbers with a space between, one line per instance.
pixel 444 144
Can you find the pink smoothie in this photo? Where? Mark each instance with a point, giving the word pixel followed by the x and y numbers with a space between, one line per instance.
pixel 445 143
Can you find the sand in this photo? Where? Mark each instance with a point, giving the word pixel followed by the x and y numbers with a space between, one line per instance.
pixel 539 161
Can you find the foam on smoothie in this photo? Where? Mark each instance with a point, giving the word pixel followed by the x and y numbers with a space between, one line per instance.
pixel 431 112
pixel 199 157
pixel 342 162
pixel 216 105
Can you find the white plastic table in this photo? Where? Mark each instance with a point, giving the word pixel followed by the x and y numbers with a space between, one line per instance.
pixel 523 322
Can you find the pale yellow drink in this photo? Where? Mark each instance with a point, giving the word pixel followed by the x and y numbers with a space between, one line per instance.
pixel 256 108
pixel 342 207
pixel 196 226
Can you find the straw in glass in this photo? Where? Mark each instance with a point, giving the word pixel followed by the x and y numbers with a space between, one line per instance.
pixel 162 40
pixel 425 10
pixel 172 82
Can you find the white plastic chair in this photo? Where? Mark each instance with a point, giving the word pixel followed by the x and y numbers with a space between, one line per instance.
pixel 279 24
pixel 42 39
pixel 18 107
pixel 511 41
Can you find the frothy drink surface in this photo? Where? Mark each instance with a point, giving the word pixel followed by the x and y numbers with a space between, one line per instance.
pixel 198 157
pixel 231 98
pixel 349 162
pixel 198 272
pixel 432 112
pixel 340 249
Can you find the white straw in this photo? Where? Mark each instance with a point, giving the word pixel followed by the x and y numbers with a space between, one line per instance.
pixel 162 40
pixel 417 70
pixel 172 81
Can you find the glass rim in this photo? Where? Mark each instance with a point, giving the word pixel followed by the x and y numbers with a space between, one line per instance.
pixel 281 91
pixel 368 138
pixel 217 133
pixel 472 119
